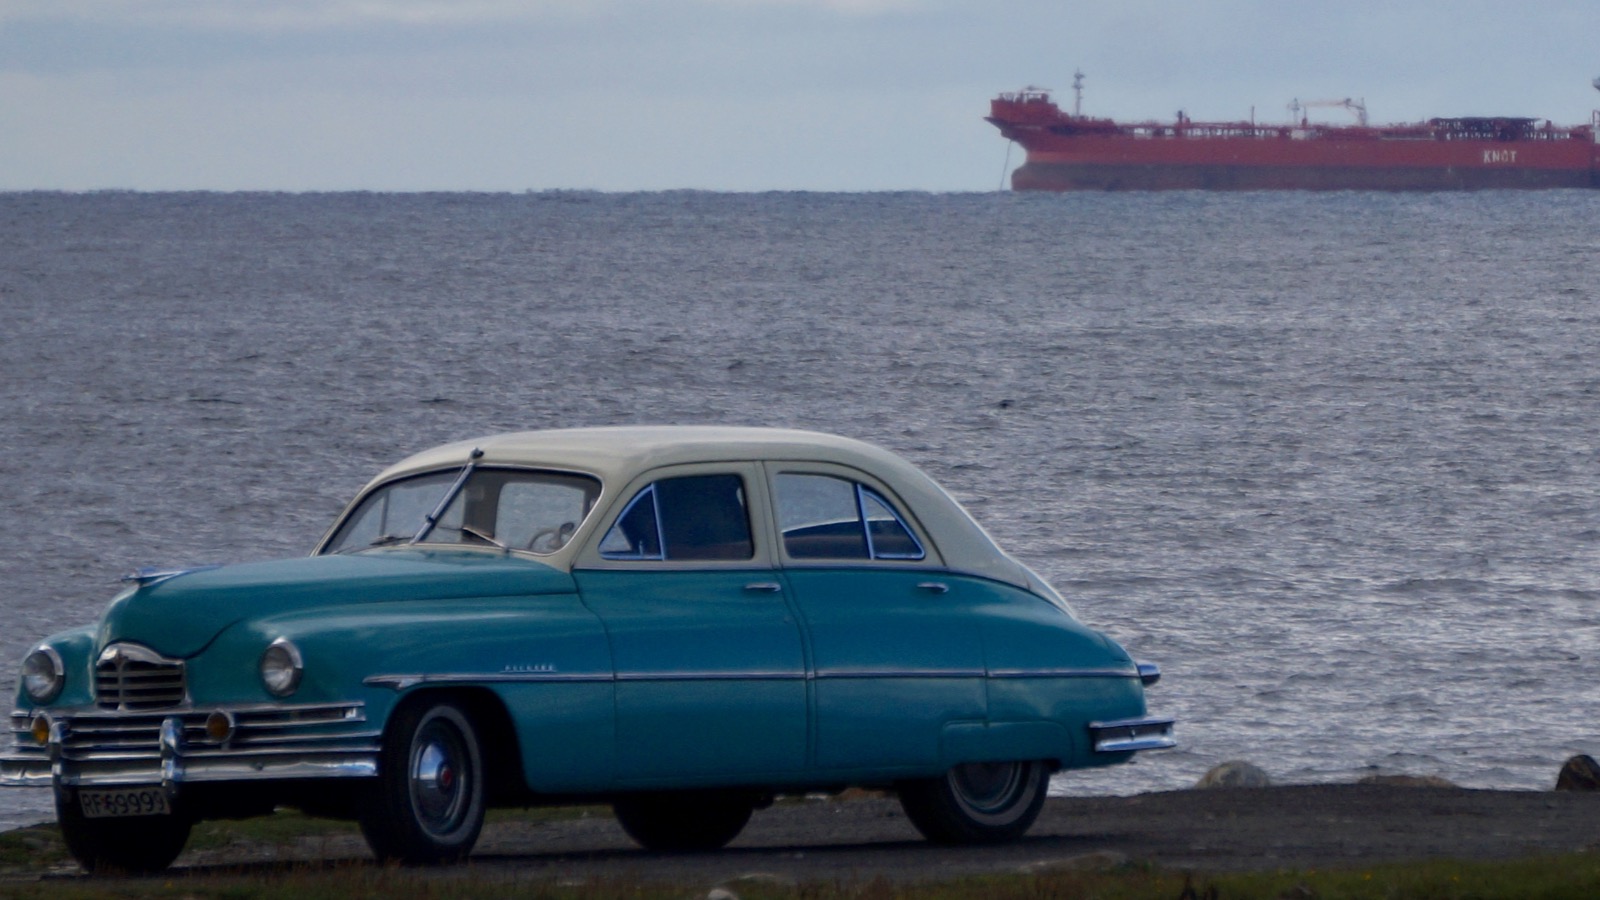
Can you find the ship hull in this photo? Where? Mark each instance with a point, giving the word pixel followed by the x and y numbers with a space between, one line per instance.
pixel 1098 176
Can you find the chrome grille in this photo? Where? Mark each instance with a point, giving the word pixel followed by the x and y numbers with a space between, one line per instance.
pixel 119 748
pixel 131 677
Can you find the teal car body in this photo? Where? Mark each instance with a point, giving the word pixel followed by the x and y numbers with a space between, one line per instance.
pixel 684 622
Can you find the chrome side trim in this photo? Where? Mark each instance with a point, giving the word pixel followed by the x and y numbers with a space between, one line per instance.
pixel 711 676
pixel 403 682
pixel 1063 673
pixel 1126 735
pixel 861 674
pixel 406 681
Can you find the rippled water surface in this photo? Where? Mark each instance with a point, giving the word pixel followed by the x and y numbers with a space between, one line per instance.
pixel 1331 460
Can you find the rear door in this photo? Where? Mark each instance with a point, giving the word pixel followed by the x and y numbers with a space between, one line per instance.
pixel 710 671
pixel 896 648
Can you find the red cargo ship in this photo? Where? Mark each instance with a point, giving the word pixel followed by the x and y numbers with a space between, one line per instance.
pixel 1073 152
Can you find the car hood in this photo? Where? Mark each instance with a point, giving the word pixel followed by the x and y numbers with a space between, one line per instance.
pixel 179 615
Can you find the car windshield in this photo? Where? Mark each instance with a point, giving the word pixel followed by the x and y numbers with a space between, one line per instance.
pixel 513 509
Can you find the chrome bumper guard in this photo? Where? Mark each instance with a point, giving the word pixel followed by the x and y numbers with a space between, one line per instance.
pixel 88 746
pixel 1124 735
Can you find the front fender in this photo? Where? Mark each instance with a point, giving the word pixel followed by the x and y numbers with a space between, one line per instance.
pixel 76 647
pixel 349 650
pixel 545 657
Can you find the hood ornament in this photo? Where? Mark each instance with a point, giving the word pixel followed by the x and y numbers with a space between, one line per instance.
pixel 149 575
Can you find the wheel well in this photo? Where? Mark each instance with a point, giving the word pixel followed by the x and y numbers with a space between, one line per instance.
pixel 504 782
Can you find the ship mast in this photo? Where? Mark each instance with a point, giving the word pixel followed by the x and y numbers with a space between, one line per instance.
pixel 1077 92
pixel 1358 108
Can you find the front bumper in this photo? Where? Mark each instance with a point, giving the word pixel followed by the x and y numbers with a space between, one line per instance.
pixel 1126 735
pixel 87 746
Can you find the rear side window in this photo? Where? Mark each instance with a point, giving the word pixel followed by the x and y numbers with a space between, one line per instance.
pixel 694 517
pixel 824 517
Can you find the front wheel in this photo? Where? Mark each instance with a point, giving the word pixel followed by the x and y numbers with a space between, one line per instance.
pixel 684 821
pixel 977 803
pixel 428 803
pixel 133 845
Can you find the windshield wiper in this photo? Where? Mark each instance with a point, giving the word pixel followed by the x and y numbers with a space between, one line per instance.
pixel 449 495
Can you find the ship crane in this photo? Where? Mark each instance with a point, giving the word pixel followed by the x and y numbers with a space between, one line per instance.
pixel 1357 107
pixel 1594 117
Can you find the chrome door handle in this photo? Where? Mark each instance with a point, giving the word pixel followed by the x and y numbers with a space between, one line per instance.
pixel 937 587
pixel 768 587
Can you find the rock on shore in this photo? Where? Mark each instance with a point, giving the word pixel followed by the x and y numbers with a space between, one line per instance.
pixel 1580 773
pixel 1234 774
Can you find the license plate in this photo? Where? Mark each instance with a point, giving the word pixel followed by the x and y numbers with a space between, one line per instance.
pixel 145 801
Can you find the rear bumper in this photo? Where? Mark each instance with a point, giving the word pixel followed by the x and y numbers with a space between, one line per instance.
pixel 91 747
pixel 1126 735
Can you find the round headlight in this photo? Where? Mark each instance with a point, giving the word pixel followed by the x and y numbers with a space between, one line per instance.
pixel 42 674
pixel 281 668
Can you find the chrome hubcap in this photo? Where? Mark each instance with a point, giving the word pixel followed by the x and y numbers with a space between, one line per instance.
pixel 437 780
pixel 986 787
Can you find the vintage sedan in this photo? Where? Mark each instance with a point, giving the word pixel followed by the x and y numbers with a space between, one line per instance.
pixel 680 622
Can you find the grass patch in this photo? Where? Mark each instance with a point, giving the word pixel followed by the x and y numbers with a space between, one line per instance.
pixel 283 828
pixel 32 848
pixel 1574 876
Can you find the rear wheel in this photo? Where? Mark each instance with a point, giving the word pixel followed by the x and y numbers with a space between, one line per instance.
pixel 683 821
pixel 428 803
pixel 977 803
pixel 134 845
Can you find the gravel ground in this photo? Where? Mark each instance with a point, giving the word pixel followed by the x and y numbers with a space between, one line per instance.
pixel 867 837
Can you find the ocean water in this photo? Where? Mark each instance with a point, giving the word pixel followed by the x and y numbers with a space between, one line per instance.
pixel 1330 460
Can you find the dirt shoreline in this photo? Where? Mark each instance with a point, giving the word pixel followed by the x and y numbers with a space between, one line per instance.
pixel 1287 827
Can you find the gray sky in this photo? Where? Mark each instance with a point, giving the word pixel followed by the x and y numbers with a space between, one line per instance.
pixel 736 95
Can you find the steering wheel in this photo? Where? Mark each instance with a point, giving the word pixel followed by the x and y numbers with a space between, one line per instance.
pixel 555 536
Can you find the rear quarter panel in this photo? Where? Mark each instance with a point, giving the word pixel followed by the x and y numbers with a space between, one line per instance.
pixel 1051 675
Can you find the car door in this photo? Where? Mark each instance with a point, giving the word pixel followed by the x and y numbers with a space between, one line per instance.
pixel 710 670
pixel 896 651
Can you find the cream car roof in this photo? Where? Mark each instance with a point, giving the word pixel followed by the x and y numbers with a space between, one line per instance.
pixel 618 454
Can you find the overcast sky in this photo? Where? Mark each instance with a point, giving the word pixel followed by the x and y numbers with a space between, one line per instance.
pixel 731 95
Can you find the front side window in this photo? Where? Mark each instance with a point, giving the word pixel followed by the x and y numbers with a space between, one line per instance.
pixel 824 517
pixel 693 517
pixel 515 509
